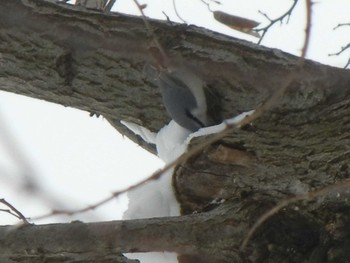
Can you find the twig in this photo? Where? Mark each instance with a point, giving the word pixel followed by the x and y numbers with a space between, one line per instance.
pixel 167 18
pixel 307 29
pixel 10 212
pixel 273 21
pixel 340 25
pixel 15 212
pixel 347 64
pixel 208 4
pixel 340 51
pixel 341 186
pixel 343 48
pixel 177 13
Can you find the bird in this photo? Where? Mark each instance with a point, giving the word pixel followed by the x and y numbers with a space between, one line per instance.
pixel 184 97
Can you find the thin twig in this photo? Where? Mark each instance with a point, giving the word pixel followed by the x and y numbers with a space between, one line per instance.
pixel 15 212
pixel 177 13
pixel 274 21
pixel 347 64
pixel 10 212
pixel 340 51
pixel 307 29
pixel 343 48
pixel 167 17
pixel 207 4
pixel 341 25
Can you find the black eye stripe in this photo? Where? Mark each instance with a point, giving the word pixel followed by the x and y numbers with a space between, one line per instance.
pixel 190 115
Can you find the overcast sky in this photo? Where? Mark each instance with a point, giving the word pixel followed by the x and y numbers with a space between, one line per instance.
pixel 78 160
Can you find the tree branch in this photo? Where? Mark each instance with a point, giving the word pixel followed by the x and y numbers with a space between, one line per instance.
pixel 214 235
pixel 115 237
pixel 95 62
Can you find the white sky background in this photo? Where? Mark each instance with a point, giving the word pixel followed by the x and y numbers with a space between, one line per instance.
pixel 79 160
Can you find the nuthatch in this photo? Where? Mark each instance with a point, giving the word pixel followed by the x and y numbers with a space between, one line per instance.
pixel 184 98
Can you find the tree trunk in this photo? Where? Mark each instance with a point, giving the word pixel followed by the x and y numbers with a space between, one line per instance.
pixel 96 62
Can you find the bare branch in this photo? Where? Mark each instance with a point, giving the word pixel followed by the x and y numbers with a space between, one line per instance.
pixel 307 28
pixel 341 50
pixel 15 212
pixel 207 4
pixel 341 25
pixel 347 64
pixel 177 13
pixel 273 21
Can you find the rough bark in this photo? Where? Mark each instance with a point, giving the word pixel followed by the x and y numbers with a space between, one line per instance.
pixel 282 155
pixel 216 234
pixel 95 62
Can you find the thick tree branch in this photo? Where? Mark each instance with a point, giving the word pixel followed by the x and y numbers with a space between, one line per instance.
pixel 187 235
pixel 95 62
pixel 215 235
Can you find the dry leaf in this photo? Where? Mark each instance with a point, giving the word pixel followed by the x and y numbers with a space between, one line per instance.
pixel 241 24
